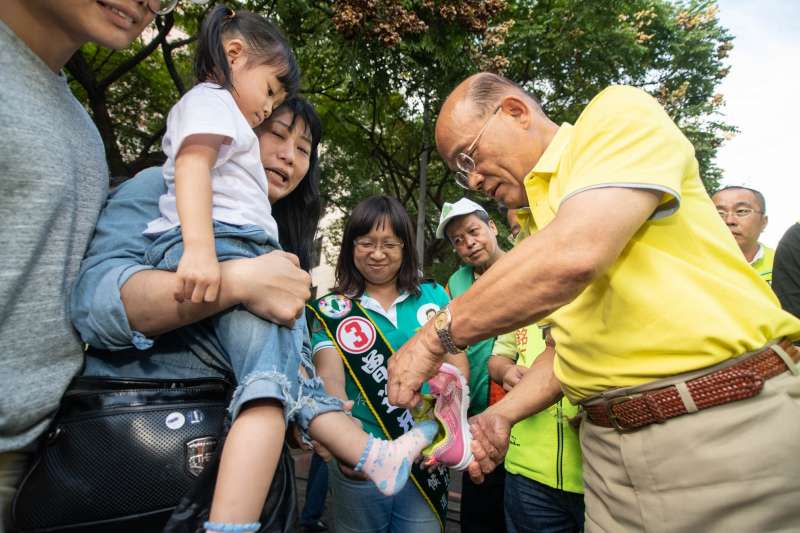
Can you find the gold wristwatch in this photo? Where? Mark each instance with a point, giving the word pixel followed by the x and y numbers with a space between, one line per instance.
pixel 441 323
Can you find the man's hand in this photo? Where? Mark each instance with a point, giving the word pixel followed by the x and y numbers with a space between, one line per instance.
pixel 490 433
pixel 416 361
pixel 272 286
pixel 512 376
pixel 198 275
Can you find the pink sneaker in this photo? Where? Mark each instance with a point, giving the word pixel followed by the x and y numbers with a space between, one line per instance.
pixel 452 401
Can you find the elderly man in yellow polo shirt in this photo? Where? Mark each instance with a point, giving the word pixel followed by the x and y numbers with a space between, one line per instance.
pixel 744 211
pixel 678 353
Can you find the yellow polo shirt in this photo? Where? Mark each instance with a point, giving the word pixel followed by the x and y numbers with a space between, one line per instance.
pixel 681 296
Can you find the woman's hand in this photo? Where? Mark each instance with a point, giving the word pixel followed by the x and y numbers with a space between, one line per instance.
pixel 272 286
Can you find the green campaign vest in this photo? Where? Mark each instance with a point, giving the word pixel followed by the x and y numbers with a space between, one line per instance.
pixel 478 354
pixel 544 447
pixel 764 264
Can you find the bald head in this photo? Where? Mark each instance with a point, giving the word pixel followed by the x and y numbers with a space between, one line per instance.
pixel 485 90
pixel 500 129
pixel 475 98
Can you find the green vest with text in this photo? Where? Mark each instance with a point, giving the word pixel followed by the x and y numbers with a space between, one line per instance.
pixel 478 353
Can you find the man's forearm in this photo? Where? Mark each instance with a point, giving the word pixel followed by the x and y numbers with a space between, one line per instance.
pixel 559 278
pixel 149 299
pixel 537 390
pixel 552 267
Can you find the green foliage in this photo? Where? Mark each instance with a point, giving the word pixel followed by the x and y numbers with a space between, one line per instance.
pixel 371 67
pixel 566 51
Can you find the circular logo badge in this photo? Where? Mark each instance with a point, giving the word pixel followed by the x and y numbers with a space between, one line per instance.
pixel 426 312
pixel 356 334
pixel 175 420
pixel 335 306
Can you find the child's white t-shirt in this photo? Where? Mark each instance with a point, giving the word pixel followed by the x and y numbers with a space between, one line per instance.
pixel 238 181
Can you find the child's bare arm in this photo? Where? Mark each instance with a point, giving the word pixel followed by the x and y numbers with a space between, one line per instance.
pixel 198 270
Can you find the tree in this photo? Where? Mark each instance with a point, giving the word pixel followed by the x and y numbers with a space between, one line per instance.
pixel 565 51
pixel 371 66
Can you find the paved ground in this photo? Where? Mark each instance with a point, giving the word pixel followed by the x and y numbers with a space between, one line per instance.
pixel 303 459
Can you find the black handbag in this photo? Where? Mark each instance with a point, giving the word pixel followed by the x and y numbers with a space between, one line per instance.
pixel 120 454
pixel 123 455
pixel 279 514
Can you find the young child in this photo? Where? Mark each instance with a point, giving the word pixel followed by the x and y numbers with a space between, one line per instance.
pixel 216 208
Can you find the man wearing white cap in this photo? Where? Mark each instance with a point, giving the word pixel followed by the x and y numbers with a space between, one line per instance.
pixel 474 237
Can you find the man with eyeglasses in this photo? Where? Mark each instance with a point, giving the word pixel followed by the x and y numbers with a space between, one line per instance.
pixel 681 360
pixel 473 235
pixel 744 211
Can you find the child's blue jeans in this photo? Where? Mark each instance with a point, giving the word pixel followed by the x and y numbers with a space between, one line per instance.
pixel 265 358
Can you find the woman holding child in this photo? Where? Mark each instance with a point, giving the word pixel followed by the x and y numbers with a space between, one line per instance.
pixel 216 211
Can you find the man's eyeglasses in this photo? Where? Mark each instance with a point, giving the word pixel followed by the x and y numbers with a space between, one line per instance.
pixel 742 212
pixel 464 161
pixel 366 245
pixel 163 7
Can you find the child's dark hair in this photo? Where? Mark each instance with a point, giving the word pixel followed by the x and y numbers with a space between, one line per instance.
pixel 298 213
pixel 264 41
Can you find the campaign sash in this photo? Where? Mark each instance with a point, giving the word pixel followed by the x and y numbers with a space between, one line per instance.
pixel 365 351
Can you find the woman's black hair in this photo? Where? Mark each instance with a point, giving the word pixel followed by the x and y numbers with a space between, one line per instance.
pixel 377 210
pixel 264 41
pixel 298 213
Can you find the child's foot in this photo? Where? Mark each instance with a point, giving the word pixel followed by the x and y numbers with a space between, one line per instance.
pixel 452 447
pixel 388 463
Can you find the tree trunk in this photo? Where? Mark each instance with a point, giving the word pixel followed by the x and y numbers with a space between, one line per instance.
pixel 423 184
pixel 96 94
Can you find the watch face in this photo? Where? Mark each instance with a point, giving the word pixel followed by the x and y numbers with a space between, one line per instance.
pixel 440 320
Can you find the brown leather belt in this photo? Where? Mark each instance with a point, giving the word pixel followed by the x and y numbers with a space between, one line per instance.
pixel 737 382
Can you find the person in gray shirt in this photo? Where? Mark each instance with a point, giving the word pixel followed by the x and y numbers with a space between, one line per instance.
pixel 53 181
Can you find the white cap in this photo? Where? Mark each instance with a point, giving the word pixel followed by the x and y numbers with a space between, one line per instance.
pixel 465 206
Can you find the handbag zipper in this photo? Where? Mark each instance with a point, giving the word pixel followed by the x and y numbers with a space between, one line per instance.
pixel 198 388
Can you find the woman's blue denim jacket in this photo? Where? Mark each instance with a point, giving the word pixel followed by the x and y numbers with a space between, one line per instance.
pixel 116 253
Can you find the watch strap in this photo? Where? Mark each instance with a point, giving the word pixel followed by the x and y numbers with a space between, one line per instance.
pixel 446 337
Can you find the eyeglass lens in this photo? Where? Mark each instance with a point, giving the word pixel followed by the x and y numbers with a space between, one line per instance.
pixel 738 213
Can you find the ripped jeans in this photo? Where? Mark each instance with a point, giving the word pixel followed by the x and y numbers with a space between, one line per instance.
pixel 266 358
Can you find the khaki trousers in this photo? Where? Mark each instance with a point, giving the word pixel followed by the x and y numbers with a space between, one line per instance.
pixel 732 468
pixel 12 468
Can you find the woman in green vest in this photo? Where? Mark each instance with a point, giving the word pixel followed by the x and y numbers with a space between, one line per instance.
pixel 378 303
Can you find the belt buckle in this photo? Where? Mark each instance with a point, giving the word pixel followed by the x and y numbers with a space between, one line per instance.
pixel 612 417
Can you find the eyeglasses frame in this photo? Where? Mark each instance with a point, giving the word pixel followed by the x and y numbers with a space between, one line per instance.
pixel 463 172
pixel 725 214
pixel 380 246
